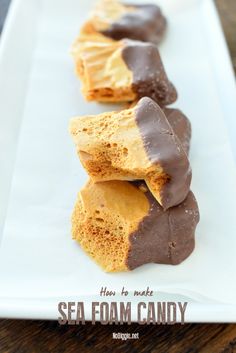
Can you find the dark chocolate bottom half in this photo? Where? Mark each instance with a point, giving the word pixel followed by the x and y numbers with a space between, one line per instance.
pixel 181 126
pixel 145 23
pixel 163 147
pixel 164 237
pixel 149 76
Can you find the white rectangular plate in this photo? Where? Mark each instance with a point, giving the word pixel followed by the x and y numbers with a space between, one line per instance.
pixel 40 174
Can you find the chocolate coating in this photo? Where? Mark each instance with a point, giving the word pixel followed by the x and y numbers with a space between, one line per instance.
pixel 149 76
pixel 181 126
pixel 145 23
pixel 164 148
pixel 165 237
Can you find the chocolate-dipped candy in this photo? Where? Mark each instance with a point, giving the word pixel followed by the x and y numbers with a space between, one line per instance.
pixel 121 71
pixel 134 144
pixel 119 20
pixel 121 226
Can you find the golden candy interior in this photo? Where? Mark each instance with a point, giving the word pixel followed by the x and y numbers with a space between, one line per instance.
pixel 104 217
pixel 102 70
pixel 110 147
pixel 105 12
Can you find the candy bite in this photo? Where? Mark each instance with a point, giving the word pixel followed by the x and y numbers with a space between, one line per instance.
pixel 134 144
pixel 121 71
pixel 118 20
pixel 121 226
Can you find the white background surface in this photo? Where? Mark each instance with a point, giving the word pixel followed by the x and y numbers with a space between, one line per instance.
pixel 39 263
